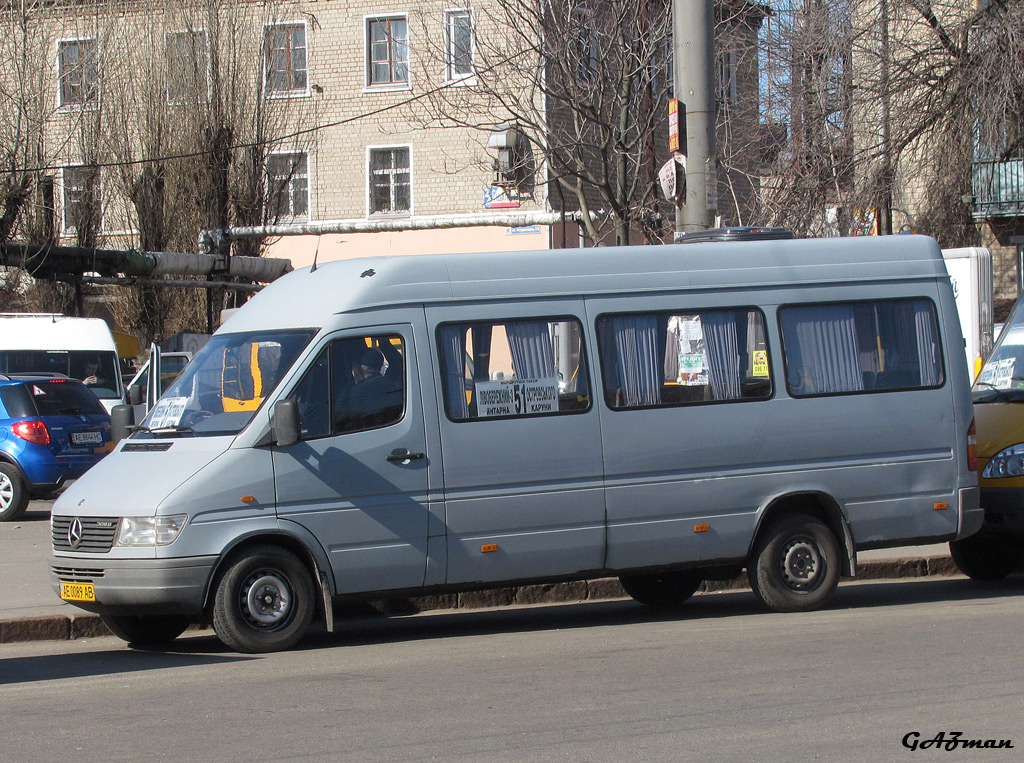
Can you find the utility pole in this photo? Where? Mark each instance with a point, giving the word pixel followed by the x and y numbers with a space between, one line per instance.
pixel 693 47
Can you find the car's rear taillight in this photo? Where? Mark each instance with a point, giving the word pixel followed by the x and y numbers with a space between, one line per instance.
pixel 32 431
pixel 972 447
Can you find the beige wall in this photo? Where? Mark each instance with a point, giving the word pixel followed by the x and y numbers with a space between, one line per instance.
pixel 302 249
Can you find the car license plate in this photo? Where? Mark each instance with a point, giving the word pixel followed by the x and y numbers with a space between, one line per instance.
pixel 77 592
pixel 87 438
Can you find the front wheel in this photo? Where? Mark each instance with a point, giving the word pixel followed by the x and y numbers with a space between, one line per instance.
pixel 662 590
pixel 264 601
pixel 795 564
pixel 988 559
pixel 13 493
pixel 146 630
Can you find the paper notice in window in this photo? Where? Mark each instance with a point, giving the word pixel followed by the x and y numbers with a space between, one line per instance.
pixel 516 397
pixel 167 412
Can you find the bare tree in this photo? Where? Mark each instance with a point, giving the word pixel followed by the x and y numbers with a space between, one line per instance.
pixel 582 86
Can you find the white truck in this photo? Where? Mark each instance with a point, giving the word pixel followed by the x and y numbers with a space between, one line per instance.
pixel 81 348
pixel 970 272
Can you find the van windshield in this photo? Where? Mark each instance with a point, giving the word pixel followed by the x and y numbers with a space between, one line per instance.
pixel 1002 378
pixel 225 384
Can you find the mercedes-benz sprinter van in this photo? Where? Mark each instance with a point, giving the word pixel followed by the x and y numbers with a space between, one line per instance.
pixel 666 414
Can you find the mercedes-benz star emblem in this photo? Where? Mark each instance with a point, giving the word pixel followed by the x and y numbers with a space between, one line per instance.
pixel 75 533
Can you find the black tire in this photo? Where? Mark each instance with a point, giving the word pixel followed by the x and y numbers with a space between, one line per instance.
pixel 264 601
pixel 146 630
pixel 662 590
pixel 795 564
pixel 13 493
pixel 988 559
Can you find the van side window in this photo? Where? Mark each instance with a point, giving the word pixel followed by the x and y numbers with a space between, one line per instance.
pixel 513 368
pixel 685 357
pixel 839 348
pixel 355 384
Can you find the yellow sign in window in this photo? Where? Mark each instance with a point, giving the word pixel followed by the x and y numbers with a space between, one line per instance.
pixel 761 363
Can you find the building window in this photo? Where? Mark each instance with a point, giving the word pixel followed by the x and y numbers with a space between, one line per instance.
pixel 288 186
pixel 287 67
pixel 390 181
pixel 458 29
pixel 188 67
pixel 78 71
pixel 387 43
pixel 582 46
pixel 81 199
pixel 727 76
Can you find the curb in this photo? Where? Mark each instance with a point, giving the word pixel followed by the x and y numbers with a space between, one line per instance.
pixel 70 627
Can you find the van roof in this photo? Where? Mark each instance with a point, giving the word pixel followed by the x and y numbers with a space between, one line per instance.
pixel 307 299
pixel 34 331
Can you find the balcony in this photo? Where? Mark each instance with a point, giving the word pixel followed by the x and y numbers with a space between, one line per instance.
pixel 998 189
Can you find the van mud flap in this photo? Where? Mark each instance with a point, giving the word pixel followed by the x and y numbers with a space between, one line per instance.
pixel 325 593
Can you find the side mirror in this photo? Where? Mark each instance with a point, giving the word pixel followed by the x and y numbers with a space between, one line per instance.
pixel 122 419
pixel 135 395
pixel 284 423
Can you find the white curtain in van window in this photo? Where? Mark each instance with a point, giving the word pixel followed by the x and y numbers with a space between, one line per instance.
pixel 453 357
pixel 530 345
pixel 722 353
pixel 927 344
pixel 640 361
pixel 821 349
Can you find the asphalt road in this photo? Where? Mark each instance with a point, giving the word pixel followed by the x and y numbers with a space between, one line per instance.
pixel 603 681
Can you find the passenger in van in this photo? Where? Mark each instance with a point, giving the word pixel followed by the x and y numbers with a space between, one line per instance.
pixel 374 398
pixel 91 371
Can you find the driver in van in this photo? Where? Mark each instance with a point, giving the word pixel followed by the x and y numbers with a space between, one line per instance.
pixel 90 373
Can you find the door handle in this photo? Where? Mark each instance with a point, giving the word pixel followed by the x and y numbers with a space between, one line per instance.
pixel 401 455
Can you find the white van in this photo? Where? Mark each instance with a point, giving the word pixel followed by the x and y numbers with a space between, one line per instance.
pixel 81 348
pixel 664 414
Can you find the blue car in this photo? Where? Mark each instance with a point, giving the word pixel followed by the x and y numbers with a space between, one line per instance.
pixel 52 429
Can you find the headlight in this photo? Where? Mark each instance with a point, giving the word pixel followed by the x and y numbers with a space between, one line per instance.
pixel 1009 462
pixel 149 531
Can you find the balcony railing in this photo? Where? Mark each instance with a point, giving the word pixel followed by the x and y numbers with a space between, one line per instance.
pixel 998 188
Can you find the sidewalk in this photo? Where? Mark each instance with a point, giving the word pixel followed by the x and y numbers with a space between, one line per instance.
pixel 30 610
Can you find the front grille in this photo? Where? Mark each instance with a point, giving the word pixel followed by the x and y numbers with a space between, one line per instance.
pixel 76 574
pixel 97 534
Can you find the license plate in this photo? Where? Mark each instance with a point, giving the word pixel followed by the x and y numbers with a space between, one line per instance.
pixel 77 592
pixel 87 438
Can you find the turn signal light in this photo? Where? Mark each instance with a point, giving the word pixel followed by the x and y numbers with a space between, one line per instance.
pixel 32 431
pixel 972 447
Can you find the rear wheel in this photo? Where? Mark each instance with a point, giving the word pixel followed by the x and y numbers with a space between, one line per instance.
pixel 662 590
pixel 146 630
pixel 13 493
pixel 986 558
pixel 264 601
pixel 795 565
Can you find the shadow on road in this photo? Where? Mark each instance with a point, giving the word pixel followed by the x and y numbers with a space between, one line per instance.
pixel 201 647
pixel 18 670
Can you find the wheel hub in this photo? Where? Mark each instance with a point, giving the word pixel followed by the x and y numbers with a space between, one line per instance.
pixel 6 492
pixel 801 563
pixel 267 599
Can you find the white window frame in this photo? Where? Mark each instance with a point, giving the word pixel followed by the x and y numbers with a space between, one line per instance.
pixel 291 92
pixel 309 186
pixel 207 71
pixel 67 229
pixel 376 87
pixel 450 74
pixel 370 214
pixel 86 103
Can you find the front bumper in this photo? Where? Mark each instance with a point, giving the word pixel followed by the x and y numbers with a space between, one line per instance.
pixel 1004 511
pixel 138 586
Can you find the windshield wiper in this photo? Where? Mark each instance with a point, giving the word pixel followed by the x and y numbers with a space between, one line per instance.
pixel 171 429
